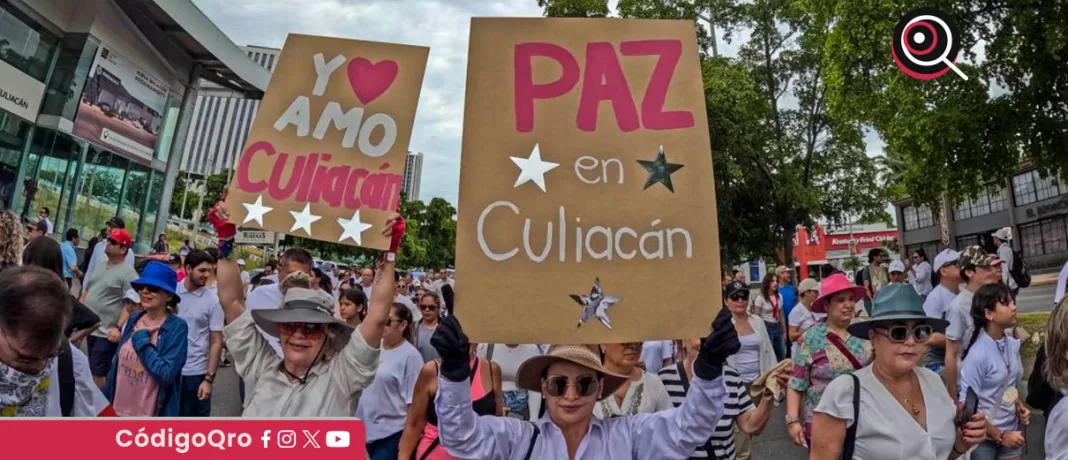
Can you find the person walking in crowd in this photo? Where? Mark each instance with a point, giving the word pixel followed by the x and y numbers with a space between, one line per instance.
pixel 100 257
pixel 145 379
pixel 656 354
pixel 739 276
pixel 43 215
pixel 768 305
pixel 323 365
pixel 937 304
pixel 46 253
pixel 269 297
pixel 384 405
pixel 801 317
pixel 897 272
pixel 185 249
pixel 34 230
pixel 517 401
pixel 788 292
pixel 738 409
pixel 873 277
pixel 352 307
pixel 920 274
pixel 824 353
pixel 977 269
pixel 161 245
pixel 11 242
pixel 41 373
pixel 572 379
pixel 1003 240
pixel 402 298
pixel 756 356
pixel 641 393
pixel 103 292
pixel 367 277
pixel 70 257
pixel 1055 371
pixel 430 306
pixel 270 269
pixel 90 248
pixel 204 317
pixel 991 368
pixel 907 412
pixel 420 439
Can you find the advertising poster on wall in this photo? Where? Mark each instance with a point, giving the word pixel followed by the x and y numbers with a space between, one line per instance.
pixel 122 106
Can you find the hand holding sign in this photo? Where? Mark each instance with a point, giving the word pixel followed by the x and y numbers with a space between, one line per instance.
pixel 326 153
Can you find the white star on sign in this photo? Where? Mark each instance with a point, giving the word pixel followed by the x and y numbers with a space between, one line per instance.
pixel 256 211
pixel 533 169
pixel 304 219
pixel 353 228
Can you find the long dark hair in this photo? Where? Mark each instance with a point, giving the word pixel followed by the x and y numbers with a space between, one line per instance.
pixel 765 287
pixel 986 299
pixel 44 253
pixel 405 314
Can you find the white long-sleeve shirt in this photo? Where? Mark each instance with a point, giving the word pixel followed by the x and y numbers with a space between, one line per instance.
pixel 1056 434
pixel 669 434
pixel 1007 260
pixel 98 257
pixel 1062 280
pixel 921 278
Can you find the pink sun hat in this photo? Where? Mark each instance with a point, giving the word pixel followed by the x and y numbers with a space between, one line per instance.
pixel 832 285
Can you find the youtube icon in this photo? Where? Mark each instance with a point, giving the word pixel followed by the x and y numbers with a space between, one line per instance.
pixel 338 439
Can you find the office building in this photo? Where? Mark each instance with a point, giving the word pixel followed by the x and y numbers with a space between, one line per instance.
pixel 222 120
pixel 94 95
pixel 1033 206
pixel 413 175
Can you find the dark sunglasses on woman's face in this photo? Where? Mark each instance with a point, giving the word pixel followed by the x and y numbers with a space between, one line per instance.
pixel 309 329
pixel 428 307
pixel 556 386
pixel 149 289
pixel 739 296
pixel 901 333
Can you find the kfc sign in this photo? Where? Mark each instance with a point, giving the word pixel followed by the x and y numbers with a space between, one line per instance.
pixel 861 240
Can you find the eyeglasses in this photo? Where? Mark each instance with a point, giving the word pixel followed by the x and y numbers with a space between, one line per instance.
pixel 310 330
pixel 428 307
pixel 149 289
pixel 556 386
pixel 29 359
pixel 739 296
pixel 901 333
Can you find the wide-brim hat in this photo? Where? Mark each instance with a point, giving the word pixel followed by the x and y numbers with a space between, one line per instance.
pixel 832 285
pixel 530 372
pixel 301 306
pixel 896 302
pixel 161 276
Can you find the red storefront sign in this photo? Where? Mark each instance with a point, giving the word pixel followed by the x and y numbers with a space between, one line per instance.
pixel 812 247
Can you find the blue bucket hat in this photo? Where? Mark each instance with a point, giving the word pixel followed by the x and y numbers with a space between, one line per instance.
pixel 159 275
pixel 896 302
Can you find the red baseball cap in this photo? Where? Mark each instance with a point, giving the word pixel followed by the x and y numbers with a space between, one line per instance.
pixel 121 237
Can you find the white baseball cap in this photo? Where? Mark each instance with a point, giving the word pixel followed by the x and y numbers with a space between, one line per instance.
pixel 241 261
pixel 947 256
pixel 897 266
pixel 132 296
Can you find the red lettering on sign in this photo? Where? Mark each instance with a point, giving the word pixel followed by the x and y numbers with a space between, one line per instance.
pixel 526 91
pixel 653 115
pixel 605 81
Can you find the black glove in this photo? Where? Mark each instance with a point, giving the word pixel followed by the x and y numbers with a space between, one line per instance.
pixel 717 347
pixel 451 344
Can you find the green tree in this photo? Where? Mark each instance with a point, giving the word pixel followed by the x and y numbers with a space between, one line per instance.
pixel 575 8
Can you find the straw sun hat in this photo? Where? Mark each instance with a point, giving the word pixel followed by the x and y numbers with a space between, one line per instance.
pixel 531 371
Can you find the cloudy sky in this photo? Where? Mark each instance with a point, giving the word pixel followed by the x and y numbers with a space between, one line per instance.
pixel 443 25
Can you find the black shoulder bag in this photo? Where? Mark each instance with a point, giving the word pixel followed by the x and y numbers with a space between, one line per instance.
pixel 851 433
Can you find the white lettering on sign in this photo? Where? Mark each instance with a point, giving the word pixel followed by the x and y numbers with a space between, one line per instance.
pixel 860 240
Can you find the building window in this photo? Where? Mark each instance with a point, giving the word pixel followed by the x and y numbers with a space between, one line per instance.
pixel 986 203
pixel 917 218
pixel 25 44
pixel 1030 187
pixel 101 185
pixel 967 240
pixel 1044 237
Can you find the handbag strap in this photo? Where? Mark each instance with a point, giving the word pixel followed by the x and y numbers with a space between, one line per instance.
pixel 838 343
pixel 851 433
pixel 533 440
pixel 686 389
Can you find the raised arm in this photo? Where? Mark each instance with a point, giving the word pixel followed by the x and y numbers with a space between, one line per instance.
pixel 382 291
pixel 231 292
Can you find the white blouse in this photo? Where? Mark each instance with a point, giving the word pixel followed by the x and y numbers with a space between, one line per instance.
pixel 1057 430
pixel 644 396
pixel 887 431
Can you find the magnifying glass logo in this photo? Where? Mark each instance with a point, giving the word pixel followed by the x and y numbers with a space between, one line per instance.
pixel 926 43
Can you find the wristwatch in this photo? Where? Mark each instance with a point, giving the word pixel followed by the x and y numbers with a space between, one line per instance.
pixel 792 420
pixel 210 378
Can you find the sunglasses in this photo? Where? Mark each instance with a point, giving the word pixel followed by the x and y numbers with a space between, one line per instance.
pixel 739 296
pixel 901 333
pixel 428 307
pixel 391 321
pixel 149 289
pixel 556 386
pixel 310 330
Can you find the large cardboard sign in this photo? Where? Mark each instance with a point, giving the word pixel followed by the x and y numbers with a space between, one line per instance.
pixel 587 210
pixel 122 106
pixel 325 157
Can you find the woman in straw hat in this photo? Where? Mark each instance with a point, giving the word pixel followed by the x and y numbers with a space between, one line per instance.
pixel 324 364
pixel 906 410
pixel 824 352
pixel 572 379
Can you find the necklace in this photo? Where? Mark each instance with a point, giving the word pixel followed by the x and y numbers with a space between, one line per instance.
pixel 908 401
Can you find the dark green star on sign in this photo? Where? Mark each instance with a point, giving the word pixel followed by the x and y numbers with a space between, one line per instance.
pixel 660 170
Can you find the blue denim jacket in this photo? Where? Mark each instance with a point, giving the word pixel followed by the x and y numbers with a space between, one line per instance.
pixel 163 362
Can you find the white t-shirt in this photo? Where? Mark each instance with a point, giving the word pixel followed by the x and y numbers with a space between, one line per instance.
pixel 202 312
pixel 766 310
pixel 920 279
pixel 267 297
pixel 655 352
pixel 245 278
pixel 938 304
pixel 1062 282
pixel 88 400
pixel 509 359
pixel 1056 433
pixel 803 319
pixel 887 431
pixel 384 405
pixel 644 396
pixel 404 300
pixel 1007 260
pixel 990 368
pixel 961 325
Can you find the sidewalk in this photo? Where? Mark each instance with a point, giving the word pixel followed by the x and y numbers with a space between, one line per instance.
pixel 1044 279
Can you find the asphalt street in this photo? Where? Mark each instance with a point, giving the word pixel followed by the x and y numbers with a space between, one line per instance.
pixel 773 444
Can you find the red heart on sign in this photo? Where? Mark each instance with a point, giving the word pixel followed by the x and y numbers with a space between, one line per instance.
pixel 369 80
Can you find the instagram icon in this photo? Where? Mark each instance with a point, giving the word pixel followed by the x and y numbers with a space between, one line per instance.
pixel 287 439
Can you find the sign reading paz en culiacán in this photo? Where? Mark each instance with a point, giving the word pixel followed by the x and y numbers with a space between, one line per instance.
pixel 587 205
pixel 325 156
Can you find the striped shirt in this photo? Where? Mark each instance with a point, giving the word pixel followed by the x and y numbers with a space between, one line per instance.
pixel 736 403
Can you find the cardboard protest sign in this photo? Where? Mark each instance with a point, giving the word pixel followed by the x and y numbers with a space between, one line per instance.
pixel 587 208
pixel 326 154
